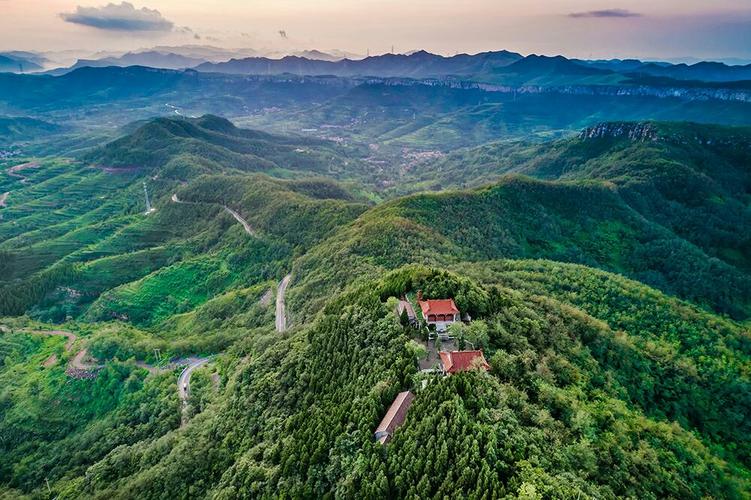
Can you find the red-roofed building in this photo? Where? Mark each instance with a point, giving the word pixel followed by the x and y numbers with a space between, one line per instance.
pixel 459 361
pixel 438 312
pixel 394 417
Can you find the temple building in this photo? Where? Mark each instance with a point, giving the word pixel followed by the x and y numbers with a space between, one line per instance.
pixel 459 361
pixel 394 417
pixel 438 312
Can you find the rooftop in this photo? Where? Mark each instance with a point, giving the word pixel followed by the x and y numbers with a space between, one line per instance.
pixel 438 306
pixel 394 416
pixel 458 361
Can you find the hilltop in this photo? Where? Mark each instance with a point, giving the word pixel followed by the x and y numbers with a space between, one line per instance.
pixel 185 147
pixel 585 366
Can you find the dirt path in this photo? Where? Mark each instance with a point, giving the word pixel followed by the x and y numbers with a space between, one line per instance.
pixel 154 370
pixel 13 171
pixel 281 314
pixel 265 299
pixel 78 363
pixel 51 361
pixel 71 338
pixel 77 367
pixel 3 198
pixel 242 221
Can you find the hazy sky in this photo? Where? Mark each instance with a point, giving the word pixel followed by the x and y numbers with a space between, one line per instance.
pixel 582 28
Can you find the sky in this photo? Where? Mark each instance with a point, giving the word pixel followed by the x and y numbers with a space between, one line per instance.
pixel 647 29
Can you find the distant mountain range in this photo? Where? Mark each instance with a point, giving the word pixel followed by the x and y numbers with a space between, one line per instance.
pixel 419 64
pixel 496 67
pixel 182 57
pixel 499 67
pixel 151 59
pixel 19 62
pixel 546 96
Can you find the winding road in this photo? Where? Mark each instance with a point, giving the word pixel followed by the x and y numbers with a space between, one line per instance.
pixel 281 315
pixel 13 171
pixel 242 221
pixel 233 213
pixel 183 381
pixel 77 362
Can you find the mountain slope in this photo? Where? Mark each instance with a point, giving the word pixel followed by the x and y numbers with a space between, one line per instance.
pixel 14 63
pixel 187 147
pixel 589 370
pixel 693 179
pixel 571 395
pixel 76 238
pixel 21 128
pixel 152 59
pixel 583 222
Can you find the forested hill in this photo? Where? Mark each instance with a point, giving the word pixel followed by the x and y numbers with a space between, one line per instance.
pixel 692 179
pixel 589 372
pixel 586 222
pixel 596 308
pixel 186 147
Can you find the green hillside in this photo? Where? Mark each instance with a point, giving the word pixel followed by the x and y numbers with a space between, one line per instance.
pixel 61 252
pixel 606 277
pixel 583 222
pixel 13 129
pixel 572 394
pixel 183 148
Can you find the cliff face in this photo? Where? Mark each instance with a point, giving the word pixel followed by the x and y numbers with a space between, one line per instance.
pixel 736 138
pixel 635 131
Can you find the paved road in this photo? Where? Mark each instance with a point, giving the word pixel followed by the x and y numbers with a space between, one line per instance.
pixel 183 384
pixel 183 381
pixel 233 213
pixel 281 314
pixel 242 221
pixel 154 370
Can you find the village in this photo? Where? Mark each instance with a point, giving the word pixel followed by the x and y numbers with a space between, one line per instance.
pixel 445 355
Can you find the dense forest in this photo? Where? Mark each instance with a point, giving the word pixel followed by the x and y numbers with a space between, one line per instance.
pixel 605 277
pixel 295 414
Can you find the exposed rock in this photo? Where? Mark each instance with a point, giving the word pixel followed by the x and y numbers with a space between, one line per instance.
pixel 634 131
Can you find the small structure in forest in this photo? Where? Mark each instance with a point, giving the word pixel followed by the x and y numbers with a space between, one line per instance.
pixel 438 312
pixel 459 361
pixel 404 307
pixel 394 417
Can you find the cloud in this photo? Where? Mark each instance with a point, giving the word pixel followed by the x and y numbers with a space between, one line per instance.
pixel 605 13
pixel 122 17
